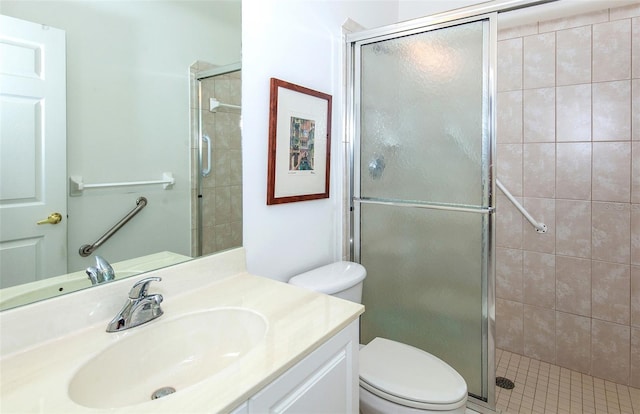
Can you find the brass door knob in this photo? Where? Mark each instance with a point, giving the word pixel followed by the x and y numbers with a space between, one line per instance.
pixel 54 218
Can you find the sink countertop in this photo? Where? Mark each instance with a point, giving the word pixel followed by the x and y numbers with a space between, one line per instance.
pixel 36 378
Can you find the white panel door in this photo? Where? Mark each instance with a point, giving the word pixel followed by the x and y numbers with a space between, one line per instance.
pixel 32 151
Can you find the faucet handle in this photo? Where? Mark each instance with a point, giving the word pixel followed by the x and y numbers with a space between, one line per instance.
pixel 139 290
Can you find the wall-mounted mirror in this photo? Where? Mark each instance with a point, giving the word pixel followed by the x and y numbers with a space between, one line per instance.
pixel 137 84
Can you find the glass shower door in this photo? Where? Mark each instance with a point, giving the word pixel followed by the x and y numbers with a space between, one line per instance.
pixel 422 191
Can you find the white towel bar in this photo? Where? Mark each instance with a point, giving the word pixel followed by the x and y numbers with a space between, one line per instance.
pixel 77 185
pixel 540 227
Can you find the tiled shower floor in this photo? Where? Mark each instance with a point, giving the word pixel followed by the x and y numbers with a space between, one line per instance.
pixel 543 388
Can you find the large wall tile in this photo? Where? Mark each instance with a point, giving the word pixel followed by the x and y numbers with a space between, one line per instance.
pixel 635 235
pixel 573 59
pixel 635 295
pixel 573 285
pixel 540 61
pixel 634 381
pixel 624 12
pixel 635 105
pixel 539 333
pixel 573 342
pixel 573 170
pixel 610 351
pixel 543 210
pixel 573 105
pixel 635 53
pixel 611 232
pixel 610 286
pixel 612 171
pixel 540 115
pixel 539 284
pixel 510 64
pixel 612 50
pixel 573 228
pixel 635 172
pixel 508 224
pixel 612 111
pixel 509 326
pixel 509 117
pixel 539 178
pixel 509 166
pixel 509 274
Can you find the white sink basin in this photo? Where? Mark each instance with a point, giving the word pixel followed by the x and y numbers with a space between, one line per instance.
pixel 173 353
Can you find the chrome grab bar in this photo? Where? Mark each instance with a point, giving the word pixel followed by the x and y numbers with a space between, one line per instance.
pixel 540 227
pixel 86 249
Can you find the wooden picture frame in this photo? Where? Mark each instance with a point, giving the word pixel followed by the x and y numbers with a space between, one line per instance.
pixel 299 143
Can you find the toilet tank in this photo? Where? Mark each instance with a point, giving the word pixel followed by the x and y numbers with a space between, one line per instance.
pixel 340 279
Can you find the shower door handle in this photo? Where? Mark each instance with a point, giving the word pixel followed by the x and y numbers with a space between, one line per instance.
pixel 206 171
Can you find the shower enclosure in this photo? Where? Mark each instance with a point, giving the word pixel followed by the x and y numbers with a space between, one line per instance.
pixel 216 158
pixel 423 192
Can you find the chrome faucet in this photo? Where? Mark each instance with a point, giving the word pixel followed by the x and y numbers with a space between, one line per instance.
pixel 140 307
pixel 101 272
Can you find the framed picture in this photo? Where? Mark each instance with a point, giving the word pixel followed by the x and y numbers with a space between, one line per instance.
pixel 299 143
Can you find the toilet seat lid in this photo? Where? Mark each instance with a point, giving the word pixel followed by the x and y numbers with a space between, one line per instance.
pixel 409 373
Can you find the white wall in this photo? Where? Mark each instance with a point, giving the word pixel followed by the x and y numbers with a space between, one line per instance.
pixel 299 42
pixel 128 111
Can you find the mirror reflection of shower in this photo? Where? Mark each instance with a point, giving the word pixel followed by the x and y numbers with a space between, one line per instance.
pixel 216 158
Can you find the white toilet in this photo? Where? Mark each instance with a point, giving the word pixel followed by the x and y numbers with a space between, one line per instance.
pixel 394 377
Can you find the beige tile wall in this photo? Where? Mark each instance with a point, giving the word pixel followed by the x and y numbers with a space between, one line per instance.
pixel 222 189
pixel 568 147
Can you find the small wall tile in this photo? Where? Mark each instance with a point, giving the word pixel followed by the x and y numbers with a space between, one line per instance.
pixel 612 50
pixel 612 171
pixel 573 285
pixel 539 284
pixel 509 166
pixel 573 121
pixel 573 228
pixel 573 342
pixel 543 210
pixel 635 295
pixel 612 111
pixel 539 333
pixel 610 351
pixel 539 61
pixel 509 117
pixel 508 224
pixel 510 65
pixel 573 171
pixel 539 170
pixel 516 31
pixel 540 115
pixel 611 232
pixel 575 21
pixel 509 326
pixel 573 58
pixel 624 12
pixel 509 274
pixel 610 286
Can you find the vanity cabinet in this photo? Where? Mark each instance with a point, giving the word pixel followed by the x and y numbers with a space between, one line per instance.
pixel 326 381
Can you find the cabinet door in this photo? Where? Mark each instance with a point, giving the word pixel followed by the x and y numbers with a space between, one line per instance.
pixel 326 381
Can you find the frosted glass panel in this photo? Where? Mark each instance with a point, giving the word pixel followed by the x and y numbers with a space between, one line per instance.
pixel 424 283
pixel 421 115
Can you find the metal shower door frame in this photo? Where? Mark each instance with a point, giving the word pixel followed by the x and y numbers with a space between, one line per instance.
pixel 354 41
pixel 199 77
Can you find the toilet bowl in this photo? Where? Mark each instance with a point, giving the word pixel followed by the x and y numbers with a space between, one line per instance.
pixel 394 377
